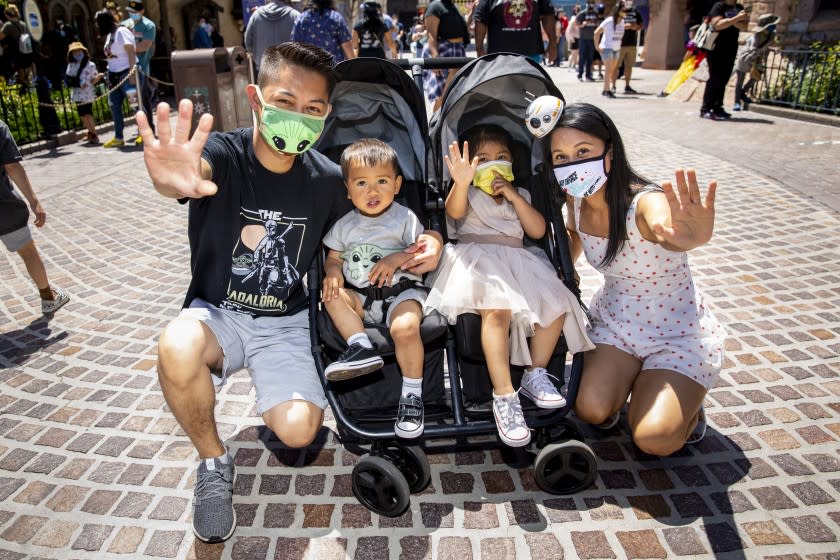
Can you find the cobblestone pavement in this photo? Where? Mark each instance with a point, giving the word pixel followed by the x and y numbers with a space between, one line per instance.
pixel 92 465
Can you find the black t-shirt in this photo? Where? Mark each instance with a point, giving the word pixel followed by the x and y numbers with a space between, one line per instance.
pixel 452 24
pixel 631 17
pixel 371 38
pixel 513 26
pixel 12 207
pixel 254 240
pixel 727 39
pixel 589 21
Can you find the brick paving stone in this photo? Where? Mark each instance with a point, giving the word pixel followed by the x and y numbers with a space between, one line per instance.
pixel 75 469
pixel 342 486
pixel 497 482
pixel 810 494
pixel 649 507
pixel 126 540
pixel 114 446
pixel 291 548
pixel 561 510
pixel 523 512
pixel 310 485
pixel 243 483
pixel 772 498
pixel 690 505
pixel 498 548
pixel 684 541
pixel 731 502
pixel 454 548
pixel 330 549
pixel 822 462
pixel 100 502
pixel 544 546
pixel 405 520
pixel 416 548
pixel 437 515
pixel 691 475
pixel 355 516
pixel 164 544
pixel 810 529
pixel 250 547
pixel 16 459
pixel 480 515
pixel 317 515
pixel 34 493
pixel 756 468
pixel 92 537
pixel 723 537
pixel 655 479
pixel 765 533
pixel 133 505
pixel 55 534
pixel 604 507
pixel 372 548
pixel 641 544
pixel 275 484
pixel 84 443
pixel 170 477
pixel 144 449
pixel 791 465
pixel 55 437
pixel 23 528
pixel 615 479
pixel 456 483
pixel 67 498
pixel 591 544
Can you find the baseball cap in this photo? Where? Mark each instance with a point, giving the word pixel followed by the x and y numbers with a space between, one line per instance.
pixel 135 5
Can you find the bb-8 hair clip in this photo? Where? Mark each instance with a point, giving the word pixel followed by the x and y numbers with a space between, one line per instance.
pixel 543 113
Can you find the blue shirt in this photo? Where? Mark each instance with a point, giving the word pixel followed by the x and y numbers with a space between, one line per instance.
pixel 144 30
pixel 327 30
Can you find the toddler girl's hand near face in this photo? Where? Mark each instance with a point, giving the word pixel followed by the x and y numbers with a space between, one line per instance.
pixel 461 168
pixel 504 188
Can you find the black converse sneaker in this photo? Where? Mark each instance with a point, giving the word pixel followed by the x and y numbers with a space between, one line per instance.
pixel 353 362
pixel 409 417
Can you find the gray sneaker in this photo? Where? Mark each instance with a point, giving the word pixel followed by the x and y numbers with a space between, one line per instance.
pixel 52 305
pixel 510 421
pixel 214 518
pixel 537 386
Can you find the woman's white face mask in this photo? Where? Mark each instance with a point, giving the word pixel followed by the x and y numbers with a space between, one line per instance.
pixel 582 178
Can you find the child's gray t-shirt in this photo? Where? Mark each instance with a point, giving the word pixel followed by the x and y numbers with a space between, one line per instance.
pixel 364 240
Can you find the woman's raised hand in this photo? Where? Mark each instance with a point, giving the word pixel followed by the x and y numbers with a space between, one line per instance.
pixel 692 218
pixel 174 162
pixel 461 168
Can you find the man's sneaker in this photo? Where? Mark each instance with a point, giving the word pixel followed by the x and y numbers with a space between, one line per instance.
pixel 608 93
pixel 628 89
pixel 710 115
pixel 537 386
pixel 114 143
pixel 214 518
pixel 409 417
pixel 353 362
pixel 736 107
pixel 52 305
pixel 510 421
pixel 721 115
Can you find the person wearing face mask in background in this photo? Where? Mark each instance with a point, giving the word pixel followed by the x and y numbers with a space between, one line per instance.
pixel 523 305
pixel 728 18
pixel 751 57
pixel 81 77
pixel 201 35
pixel 145 33
pixel 248 188
pixel 656 341
pixel 119 51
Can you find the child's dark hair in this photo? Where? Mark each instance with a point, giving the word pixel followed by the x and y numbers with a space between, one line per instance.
pixel 623 181
pixel 298 54
pixel 368 152
pixel 480 134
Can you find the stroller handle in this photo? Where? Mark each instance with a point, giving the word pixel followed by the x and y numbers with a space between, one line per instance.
pixel 432 63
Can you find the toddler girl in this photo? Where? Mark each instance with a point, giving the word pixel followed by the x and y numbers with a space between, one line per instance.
pixel 488 272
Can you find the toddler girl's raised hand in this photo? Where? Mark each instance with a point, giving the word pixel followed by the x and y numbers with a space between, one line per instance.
pixel 461 168
pixel 692 219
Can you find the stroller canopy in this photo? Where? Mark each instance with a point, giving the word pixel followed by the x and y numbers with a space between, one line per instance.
pixel 375 98
pixel 493 89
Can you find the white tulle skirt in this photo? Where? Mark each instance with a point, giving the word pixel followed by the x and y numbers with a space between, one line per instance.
pixel 472 277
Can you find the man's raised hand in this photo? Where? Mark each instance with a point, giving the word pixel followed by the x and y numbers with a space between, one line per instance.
pixel 174 162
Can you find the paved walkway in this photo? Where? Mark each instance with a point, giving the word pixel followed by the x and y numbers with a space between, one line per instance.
pixel 92 466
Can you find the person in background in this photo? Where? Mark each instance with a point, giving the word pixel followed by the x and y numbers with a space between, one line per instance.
pixel 10 32
pixel 119 51
pixel 508 31
pixel 627 56
pixel 446 33
pixel 371 35
pixel 321 25
pixel 608 41
pixel 727 18
pixel 201 35
pixel 560 32
pixel 81 77
pixel 14 219
pixel 586 22
pixel 750 59
pixel 573 39
pixel 271 24
pixel 145 33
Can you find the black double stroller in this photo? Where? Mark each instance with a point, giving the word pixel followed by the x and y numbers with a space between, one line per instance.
pixel 376 98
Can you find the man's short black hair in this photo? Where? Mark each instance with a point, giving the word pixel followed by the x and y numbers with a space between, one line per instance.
pixel 304 55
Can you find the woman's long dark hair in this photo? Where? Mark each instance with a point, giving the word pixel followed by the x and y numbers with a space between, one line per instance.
pixel 320 5
pixel 617 9
pixel 623 182
pixel 373 21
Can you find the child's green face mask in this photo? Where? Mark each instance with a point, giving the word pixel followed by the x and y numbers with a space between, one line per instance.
pixel 485 174
pixel 288 132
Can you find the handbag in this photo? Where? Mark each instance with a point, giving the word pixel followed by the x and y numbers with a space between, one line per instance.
pixel 706 35
pixel 14 214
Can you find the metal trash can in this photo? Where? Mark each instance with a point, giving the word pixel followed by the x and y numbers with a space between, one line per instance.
pixel 238 63
pixel 205 77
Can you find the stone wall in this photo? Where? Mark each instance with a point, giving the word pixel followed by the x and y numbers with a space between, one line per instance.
pixel 802 21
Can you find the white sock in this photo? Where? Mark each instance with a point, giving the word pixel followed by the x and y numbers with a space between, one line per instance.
pixel 224 459
pixel 360 339
pixel 414 386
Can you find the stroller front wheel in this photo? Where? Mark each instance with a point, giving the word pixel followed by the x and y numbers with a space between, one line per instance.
pixel 380 486
pixel 412 462
pixel 566 467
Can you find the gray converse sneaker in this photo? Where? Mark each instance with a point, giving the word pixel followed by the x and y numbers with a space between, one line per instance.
pixel 537 386
pixel 510 421
pixel 409 422
pixel 52 305
pixel 214 518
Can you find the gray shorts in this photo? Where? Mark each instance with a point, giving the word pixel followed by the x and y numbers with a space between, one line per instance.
pixel 374 313
pixel 15 240
pixel 275 350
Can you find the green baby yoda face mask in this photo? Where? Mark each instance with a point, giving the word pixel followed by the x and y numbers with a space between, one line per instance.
pixel 485 174
pixel 289 132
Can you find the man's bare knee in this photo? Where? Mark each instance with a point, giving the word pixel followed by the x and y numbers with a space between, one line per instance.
pixel 182 349
pixel 295 423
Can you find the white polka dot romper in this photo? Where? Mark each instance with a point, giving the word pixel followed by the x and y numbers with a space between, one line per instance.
pixel 650 308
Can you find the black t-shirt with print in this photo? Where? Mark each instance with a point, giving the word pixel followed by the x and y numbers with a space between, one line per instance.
pixel 371 38
pixel 513 26
pixel 589 21
pixel 13 211
pixel 727 39
pixel 254 240
pixel 632 16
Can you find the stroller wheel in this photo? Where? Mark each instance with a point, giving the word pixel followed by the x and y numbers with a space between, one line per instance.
pixel 565 468
pixel 380 486
pixel 412 463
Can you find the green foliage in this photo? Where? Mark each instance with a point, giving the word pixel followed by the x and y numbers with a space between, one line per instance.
pixel 810 79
